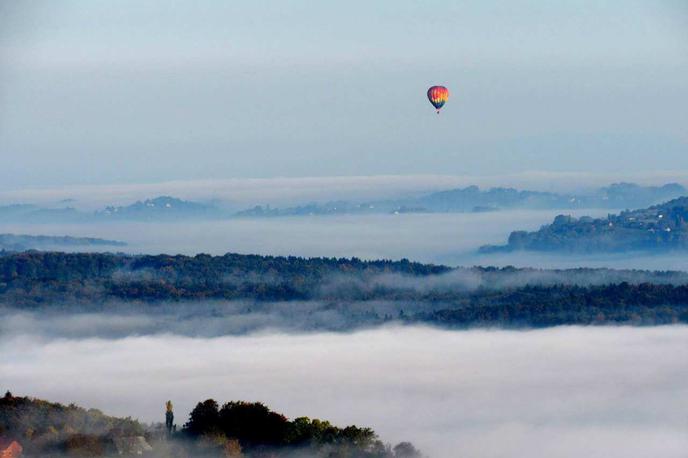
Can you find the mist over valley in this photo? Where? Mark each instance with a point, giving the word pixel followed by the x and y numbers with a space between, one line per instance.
pixel 451 239
pixel 566 392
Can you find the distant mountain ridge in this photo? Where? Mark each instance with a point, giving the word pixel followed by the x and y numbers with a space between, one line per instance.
pixel 162 207
pixel 473 199
pixel 34 214
pixel 657 228
pixel 468 199
pixel 617 195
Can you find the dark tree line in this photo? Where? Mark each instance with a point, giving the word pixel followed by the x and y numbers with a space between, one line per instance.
pixel 47 279
pixel 257 431
pixel 644 304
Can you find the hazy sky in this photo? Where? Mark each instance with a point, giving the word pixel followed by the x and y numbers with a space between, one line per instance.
pixel 131 91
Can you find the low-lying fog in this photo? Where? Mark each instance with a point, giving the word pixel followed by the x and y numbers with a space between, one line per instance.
pixel 439 238
pixel 561 392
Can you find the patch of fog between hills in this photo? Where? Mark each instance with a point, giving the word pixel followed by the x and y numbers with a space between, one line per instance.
pixel 194 319
pixel 564 392
pixel 472 279
pixel 348 285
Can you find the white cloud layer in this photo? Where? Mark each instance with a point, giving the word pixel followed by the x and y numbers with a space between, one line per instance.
pixel 562 393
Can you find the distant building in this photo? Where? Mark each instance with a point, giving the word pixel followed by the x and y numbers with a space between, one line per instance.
pixel 169 417
pixel 10 449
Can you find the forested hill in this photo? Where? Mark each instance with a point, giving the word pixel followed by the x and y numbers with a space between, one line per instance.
pixel 234 429
pixel 202 273
pixel 50 429
pixel 658 228
pixel 360 293
pixel 22 242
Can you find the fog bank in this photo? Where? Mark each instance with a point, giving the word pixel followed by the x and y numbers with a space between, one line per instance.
pixel 562 392
pixel 197 319
pixel 448 238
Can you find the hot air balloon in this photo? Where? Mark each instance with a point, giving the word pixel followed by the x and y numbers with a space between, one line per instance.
pixel 438 95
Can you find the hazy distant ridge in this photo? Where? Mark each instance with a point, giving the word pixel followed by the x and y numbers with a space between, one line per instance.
pixel 160 209
pixel 474 199
pixel 469 199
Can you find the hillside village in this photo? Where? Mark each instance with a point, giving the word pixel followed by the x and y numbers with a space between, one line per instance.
pixel 661 227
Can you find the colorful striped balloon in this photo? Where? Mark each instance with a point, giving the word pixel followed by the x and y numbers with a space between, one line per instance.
pixel 438 96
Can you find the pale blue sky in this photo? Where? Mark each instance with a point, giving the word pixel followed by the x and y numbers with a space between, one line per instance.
pixel 146 91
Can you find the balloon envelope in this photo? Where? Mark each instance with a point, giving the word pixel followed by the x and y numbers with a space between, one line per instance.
pixel 438 95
